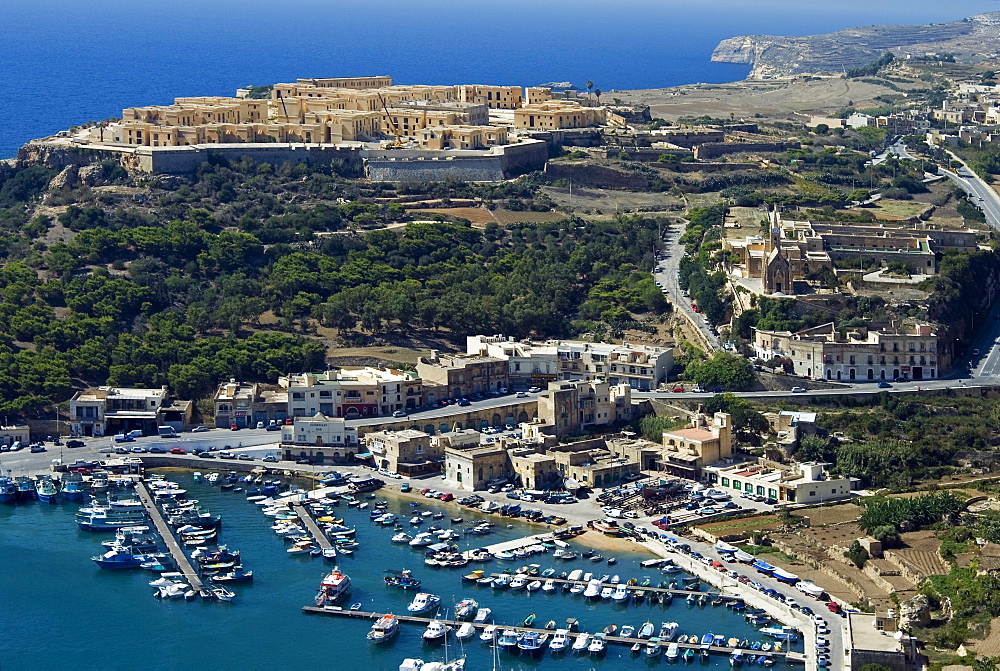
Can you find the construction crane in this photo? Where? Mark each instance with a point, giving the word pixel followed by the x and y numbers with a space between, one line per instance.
pixel 398 142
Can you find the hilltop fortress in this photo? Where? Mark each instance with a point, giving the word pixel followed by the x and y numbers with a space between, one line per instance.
pixel 392 132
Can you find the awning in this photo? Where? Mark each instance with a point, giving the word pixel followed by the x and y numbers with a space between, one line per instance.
pixel 364 455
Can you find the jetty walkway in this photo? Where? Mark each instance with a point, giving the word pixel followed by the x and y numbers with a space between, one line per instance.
pixel 617 640
pixel 516 544
pixel 631 588
pixel 307 519
pixel 181 559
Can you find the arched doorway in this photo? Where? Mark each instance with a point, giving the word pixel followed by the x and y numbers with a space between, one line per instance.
pixel 319 457
pixel 850 374
pixel 881 374
pixel 838 374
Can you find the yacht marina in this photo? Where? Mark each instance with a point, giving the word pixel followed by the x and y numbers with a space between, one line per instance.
pixel 506 591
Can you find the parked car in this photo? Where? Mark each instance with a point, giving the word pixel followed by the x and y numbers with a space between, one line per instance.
pixel 273 427
pixel 138 449
pixel 123 438
pixel 884 385
pixel 521 394
pixel 75 443
pixel 260 425
pixel 399 413
pixel 158 449
pixel 245 457
pixel 464 402
pixel 206 455
pixel 678 389
pixel 233 427
pixel 199 429
pixel 226 455
pixel 534 390
pixel 270 459
pixel 302 460
pixel 178 450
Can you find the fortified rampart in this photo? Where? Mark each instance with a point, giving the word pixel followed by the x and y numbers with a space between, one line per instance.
pixel 388 165
pixel 716 149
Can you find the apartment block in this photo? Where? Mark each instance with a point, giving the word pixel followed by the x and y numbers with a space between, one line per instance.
pixel 682 452
pixel 352 392
pixel 321 440
pixel 573 407
pixel 458 375
pixel 557 114
pixel 472 468
pixel 244 404
pixel 912 352
pixel 532 363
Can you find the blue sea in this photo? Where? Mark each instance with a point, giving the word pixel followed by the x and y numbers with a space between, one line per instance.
pixel 62 611
pixel 66 61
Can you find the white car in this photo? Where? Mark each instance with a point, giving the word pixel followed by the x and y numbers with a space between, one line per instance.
pixel 631 514
pixel 798 390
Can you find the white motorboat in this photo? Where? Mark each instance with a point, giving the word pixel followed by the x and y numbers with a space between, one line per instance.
pixel 436 630
pixel 489 633
pixel 621 593
pixel 607 592
pixel 575 574
pixel 423 538
pixel 559 640
pixel 519 581
pixel 673 652
pixel 549 586
pixel 174 590
pixel 593 589
pixel 467 630
pixel 423 602
pixel 534 585
pixel 578 588
pixel 402 537
pixel 383 630
pixel 597 645
pixel 668 631
pixel 482 615
pixel 582 642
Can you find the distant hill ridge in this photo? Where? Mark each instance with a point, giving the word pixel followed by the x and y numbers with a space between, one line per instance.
pixel 971 40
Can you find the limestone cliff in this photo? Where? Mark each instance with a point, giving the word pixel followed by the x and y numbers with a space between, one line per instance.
pixel 971 40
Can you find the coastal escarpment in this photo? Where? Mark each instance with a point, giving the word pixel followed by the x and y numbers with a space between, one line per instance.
pixel 971 40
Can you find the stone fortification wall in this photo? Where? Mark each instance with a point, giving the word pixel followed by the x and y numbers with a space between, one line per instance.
pixel 599 176
pixel 715 149
pixel 177 160
pixel 422 165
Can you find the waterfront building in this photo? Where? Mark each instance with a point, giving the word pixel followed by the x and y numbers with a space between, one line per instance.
pixel 791 483
pixel 575 406
pixel 682 452
pixel 15 433
pixel 473 468
pixel 407 452
pixel 104 411
pixel 875 639
pixel 824 352
pixel 320 439
pixel 245 404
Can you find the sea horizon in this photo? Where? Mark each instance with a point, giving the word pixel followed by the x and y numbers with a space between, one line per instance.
pixel 74 64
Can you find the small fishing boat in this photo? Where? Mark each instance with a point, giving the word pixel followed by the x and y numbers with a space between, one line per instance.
pixel 482 615
pixel 646 630
pixel 465 608
pixel 403 579
pixel 628 631
pixel 611 629
pixel 597 645
pixel 528 621
pixel 233 577
pixel 384 629
pixel 467 630
pixel 223 594
pixel 582 642
pixel 508 639
pixel 673 652
pixel 488 634
pixel 653 648
pixel 529 643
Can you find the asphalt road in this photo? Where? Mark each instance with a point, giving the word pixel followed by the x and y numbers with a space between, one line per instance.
pixel 666 273
pixel 980 193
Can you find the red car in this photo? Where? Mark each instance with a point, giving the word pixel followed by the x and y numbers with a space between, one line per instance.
pixel 177 450
pixel 233 427
pixel 678 389
pixel 447 496
pixel 425 490
pixel 833 606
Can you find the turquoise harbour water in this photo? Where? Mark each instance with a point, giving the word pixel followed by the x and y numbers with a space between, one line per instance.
pixel 61 610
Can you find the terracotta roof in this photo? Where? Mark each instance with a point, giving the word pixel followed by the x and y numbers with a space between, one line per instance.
pixel 692 434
